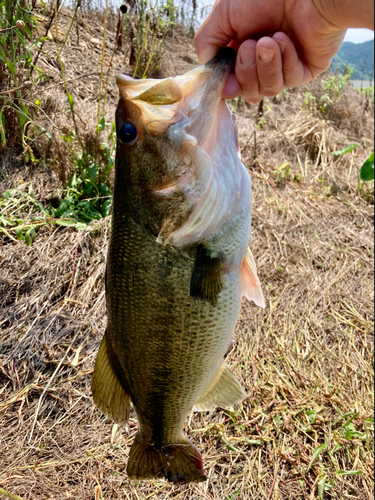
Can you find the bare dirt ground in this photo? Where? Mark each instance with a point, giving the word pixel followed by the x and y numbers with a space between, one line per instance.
pixel 306 361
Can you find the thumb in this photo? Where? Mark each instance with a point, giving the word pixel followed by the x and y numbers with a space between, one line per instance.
pixel 215 33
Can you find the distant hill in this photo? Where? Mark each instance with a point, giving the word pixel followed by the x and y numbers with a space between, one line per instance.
pixel 360 56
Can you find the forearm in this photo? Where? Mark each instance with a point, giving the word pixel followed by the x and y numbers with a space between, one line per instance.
pixel 348 13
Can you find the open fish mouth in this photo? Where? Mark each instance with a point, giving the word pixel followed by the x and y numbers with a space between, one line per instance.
pixel 189 109
pixel 192 100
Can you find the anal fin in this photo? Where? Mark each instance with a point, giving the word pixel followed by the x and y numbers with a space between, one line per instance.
pixel 224 391
pixel 206 281
pixel 251 287
pixel 108 392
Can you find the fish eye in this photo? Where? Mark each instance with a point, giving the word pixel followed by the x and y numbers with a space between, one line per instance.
pixel 128 133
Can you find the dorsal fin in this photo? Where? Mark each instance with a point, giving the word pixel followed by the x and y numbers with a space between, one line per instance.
pixel 251 287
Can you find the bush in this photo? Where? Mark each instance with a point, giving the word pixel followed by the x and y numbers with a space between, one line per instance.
pixel 334 86
pixel 18 39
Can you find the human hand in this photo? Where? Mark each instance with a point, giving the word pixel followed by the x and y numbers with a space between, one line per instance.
pixel 304 35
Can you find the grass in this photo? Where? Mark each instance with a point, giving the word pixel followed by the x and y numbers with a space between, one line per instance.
pixel 305 362
pixel 369 91
pixel 306 429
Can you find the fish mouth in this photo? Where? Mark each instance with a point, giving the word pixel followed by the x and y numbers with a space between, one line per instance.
pixel 190 100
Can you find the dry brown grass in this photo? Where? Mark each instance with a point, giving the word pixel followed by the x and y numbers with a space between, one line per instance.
pixel 311 350
pixel 305 362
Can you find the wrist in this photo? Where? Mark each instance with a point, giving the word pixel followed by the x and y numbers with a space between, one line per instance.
pixel 347 14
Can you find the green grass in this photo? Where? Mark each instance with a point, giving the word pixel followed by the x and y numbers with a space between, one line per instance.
pixel 369 91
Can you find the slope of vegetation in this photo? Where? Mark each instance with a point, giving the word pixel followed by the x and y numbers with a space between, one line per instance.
pixel 360 56
pixel 306 429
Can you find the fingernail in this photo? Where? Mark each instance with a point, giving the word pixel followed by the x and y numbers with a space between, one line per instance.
pixel 247 56
pixel 282 46
pixel 266 55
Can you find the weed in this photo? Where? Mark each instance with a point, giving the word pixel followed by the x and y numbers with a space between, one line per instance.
pixel 189 15
pixel 86 198
pixel 309 102
pixel 334 86
pixel 283 173
pixel 367 170
pixel 17 29
pixel 368 91
pixel 16 224
pixel 88 195
pixel 262 121
pixel 147 26
pixel 235 105
pixel 365 173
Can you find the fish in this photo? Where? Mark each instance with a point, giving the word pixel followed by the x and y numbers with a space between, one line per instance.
pixel 178 265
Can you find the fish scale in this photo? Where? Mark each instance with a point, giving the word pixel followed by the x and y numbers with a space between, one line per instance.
pixel 140 299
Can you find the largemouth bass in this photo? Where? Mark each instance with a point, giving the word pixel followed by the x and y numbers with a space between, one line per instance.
pixel 178 264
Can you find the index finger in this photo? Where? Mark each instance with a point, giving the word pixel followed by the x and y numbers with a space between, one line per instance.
pixel 215 33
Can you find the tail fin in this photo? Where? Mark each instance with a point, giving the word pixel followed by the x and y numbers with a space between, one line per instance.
pixel 179 463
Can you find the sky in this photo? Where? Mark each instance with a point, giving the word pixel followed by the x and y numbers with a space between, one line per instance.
pixel 359 35
pixel 353 35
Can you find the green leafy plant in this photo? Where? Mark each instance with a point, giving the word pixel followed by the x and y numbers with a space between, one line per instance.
pixel 325 484
pixel 347 436
pixel 365 173
pixel 367 170
pixel 334 87
pixel 346 150
pixel 309 102
pixel 88 196
pixel 18 39
pixel 369 91
pixel 262 121
pixel 22 215
pixel 283 173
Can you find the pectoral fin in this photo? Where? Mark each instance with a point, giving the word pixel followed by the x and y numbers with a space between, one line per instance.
pixel 109 394
pixel 251 287
pixel 206 281
pixel 224 391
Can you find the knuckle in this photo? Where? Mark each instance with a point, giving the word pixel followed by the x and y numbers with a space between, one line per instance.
pixel 251 98
pixel 249 82
pixel 198 40
pixel 272 88
pixel 247 77
pixel 270 92
pixel 291 81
